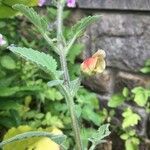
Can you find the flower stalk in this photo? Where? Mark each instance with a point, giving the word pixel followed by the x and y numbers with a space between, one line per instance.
pixel 66 78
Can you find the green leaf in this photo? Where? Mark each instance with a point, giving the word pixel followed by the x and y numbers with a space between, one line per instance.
pixel 9 91
pixel 86 134
pixel 130 145
pixel 141 95
pixel 89 115
pixel 25 2
pixel 98 137
pixel 145 69
pixel 74 52
pixel 54 83
pixel 78 29
pixel 52 121
pixel 6 12
pixel 10 104
pixel 40 22
pixel 53 94
pixel 74 86
pixel 124 136
pixel 8 62
pixel 23 140
pixel 130 118
pixel 125 92
pixel 147 63
pixel 8 82
pixel 81 25
pixel 5 91
pixel 42 60
pixel 6 9
pixel 116 100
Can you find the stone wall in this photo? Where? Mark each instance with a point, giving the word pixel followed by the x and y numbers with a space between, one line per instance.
pixel 124 33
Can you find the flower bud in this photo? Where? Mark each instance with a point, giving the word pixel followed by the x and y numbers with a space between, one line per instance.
pixel 71 3
pixel 41 2
pixel 95 64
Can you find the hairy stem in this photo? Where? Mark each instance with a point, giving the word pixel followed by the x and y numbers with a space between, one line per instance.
pixel 50 42
pixel 68 96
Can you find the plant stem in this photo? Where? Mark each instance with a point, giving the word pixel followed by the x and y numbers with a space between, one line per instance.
pixel 50 42
pixel 68 96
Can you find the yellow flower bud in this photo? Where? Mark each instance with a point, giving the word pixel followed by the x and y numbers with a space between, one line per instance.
pixel 95 64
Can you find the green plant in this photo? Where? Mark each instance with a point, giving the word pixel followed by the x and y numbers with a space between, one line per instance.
pixel 140 97
pixel 6 9
pixel 131 139
pixel 67 87
pixel 146 68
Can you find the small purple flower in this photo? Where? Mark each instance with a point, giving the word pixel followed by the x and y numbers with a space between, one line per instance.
pixel 2 41
pixel 41 2
pixel 71 3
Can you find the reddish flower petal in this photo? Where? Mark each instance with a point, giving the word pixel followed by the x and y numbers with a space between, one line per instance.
pixel 94 64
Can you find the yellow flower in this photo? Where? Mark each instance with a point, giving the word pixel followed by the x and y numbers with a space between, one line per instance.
pixel 94 64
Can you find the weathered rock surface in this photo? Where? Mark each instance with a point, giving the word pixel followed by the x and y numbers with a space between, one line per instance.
pixel 124 37
pixel 140 5
pixel 125 79
pixel 115 4
pixel 100 83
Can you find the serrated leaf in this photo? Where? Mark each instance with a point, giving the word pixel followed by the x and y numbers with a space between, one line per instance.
pixel 130 118
pixel 55 83
pixel 141 95
pixel 116 100
pixel 89 115
pixel 40 22
pixel 74 86
pixel 25 136
pixel 74 52
pixel 81 25
pixel 42 60
pixel 78 29
pixel 102 132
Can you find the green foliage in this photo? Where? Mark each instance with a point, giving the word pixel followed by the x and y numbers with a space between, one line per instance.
pixel 116 100
pixel 98 137
pixel 40 22
pixel 54 83
pixel 6 9
pixel 131 140
pixel 42 60
pixel 25 2
pixel 33 102
pixel 8 62
pixel 29 136
pixel 88 103
pixel 146 68
pixel 81 25
pixel 141 95
pixel 74 52
pixel 130 118
pixel 119 98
